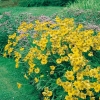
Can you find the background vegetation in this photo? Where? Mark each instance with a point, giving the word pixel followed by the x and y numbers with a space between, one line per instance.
pixel 31 3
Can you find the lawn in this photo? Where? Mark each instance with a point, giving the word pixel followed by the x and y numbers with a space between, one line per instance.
pixel 36 11
pixel 9 76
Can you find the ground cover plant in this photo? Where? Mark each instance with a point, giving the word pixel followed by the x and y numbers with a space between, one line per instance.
pixel 58 57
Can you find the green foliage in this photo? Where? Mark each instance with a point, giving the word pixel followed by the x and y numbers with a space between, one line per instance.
pixel 7 26
pixel 90 18
pixel 30 3
pixel 85 4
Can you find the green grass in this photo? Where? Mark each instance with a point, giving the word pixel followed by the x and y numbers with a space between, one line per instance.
pixel 36 11
pixel 9 76
pixel 85 4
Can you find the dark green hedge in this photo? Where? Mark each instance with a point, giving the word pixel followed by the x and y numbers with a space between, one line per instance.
pixel 31 3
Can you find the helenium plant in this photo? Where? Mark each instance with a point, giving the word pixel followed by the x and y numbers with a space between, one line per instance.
pixel 58 59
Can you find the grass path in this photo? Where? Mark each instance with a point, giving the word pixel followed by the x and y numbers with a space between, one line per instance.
pixel 9 76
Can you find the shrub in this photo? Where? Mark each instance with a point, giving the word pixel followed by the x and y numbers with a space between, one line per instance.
pixel 60 58
pixel 30 3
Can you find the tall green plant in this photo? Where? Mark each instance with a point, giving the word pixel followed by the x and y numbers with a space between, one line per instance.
pixel 30 3
pixel 85 4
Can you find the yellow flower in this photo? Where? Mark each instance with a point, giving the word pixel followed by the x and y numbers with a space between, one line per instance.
pixel 4 55
pixel 68 97
pixel 98 68
pixel 14 43
pixel 46 98
pixel 80 26
pixel 69 75
pixel 25 76
pixel 92 98
pixel 58 81
pixel 90 54
pixel 93 73
pixel 76 68
pixel 19 85
pixel 51 72
pixel 79 76
pixel 30 26
pixel 97 88
pixel 83 95
pixel 57 19
pixel 10 50
pixel 44 61
pixel 77 84
pixel 21 49
pixel 17 54
pixel 90 93
pixel 48 53
pixel 44 93
pixel 70 91
pixel 58 61
pixel 17 38
pixel 52 67
pixel 46 89
pixel 17 65
pixel 30 70
pixel 75 98
pixel 24 30
pixel 65 58
pixel 36 80
pixel 23 24
pixel 12 36
pixel 7 47
pixel 49 93
pixel 16 60
pixel 37 70
pixel 76 92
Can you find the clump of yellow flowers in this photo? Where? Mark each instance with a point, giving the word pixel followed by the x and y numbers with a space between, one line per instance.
pixel 59 59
